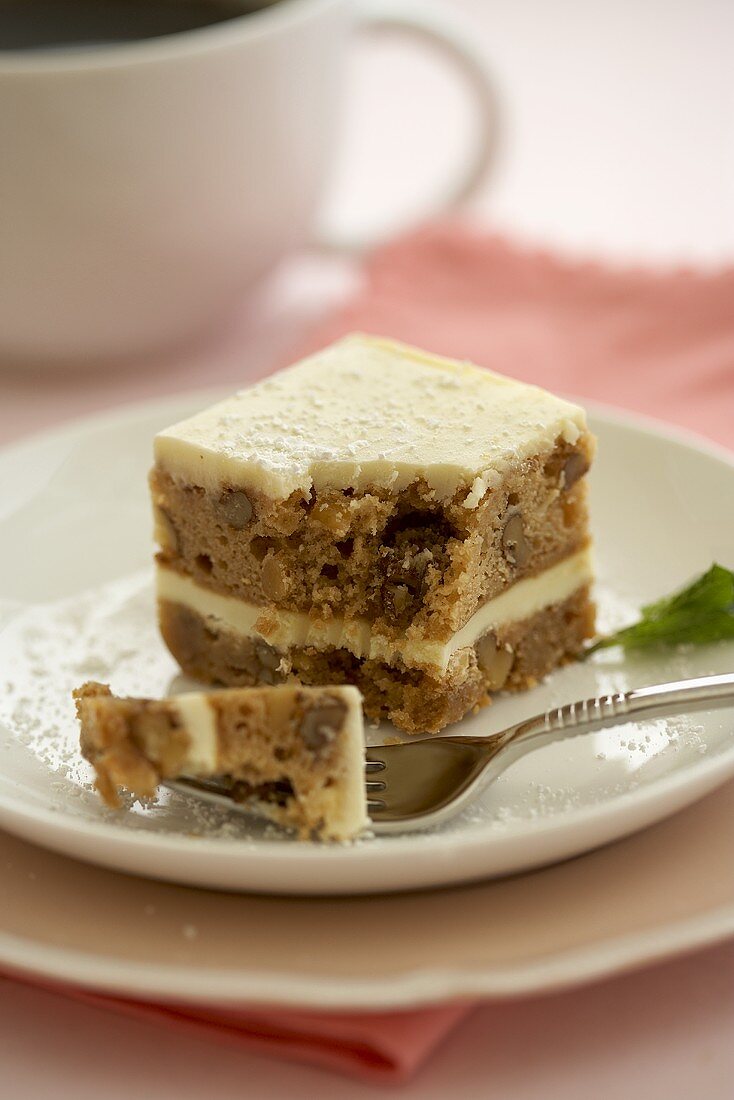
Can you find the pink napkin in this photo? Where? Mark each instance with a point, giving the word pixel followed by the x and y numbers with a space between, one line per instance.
pixel 659 343
pixel 385 1047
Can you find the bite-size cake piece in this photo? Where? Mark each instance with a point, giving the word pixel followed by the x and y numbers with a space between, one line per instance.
pixel 379 516
pixel 293 754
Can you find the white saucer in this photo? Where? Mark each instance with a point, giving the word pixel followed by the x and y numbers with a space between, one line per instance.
pixel 76 603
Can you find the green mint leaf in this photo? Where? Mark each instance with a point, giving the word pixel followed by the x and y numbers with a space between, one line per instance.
pixel 702 612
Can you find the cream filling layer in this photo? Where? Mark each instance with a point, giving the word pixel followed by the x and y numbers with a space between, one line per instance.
pixel 286 629
pixel 199 720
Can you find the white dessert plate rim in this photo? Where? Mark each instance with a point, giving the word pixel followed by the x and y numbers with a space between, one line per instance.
pixel 708 771
pixel 420 987
pixel 704 774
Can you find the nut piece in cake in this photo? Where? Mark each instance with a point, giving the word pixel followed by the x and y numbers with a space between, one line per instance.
pixel 379 516
pixel 294 754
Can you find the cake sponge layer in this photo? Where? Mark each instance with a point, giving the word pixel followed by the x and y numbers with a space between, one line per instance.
pixel 294 754
pixel 282 630
pixel 513 657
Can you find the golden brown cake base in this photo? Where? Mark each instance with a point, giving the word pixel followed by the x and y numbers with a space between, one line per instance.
pixel 514 658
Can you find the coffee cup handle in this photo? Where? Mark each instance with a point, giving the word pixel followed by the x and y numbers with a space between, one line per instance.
pixel 438 29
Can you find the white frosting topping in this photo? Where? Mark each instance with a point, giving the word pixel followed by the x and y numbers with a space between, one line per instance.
pixel 198 719
pixel 367 411
pixel 348 814
pixel 283 629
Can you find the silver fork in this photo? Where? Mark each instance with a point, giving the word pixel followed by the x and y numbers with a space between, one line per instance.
pixel 419 783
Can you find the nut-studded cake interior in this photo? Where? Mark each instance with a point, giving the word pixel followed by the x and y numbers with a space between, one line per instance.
pixel 404 561
pixel 294 753
pixel 372 509
pixel 512 658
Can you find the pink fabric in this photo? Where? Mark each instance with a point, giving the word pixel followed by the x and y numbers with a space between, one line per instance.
pixel 659 343
pixel 383 1047
pixel 662 344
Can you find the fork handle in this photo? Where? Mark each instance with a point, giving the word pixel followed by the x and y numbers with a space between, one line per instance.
pixel 682 696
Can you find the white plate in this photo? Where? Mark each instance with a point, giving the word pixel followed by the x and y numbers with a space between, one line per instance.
pixel 76 603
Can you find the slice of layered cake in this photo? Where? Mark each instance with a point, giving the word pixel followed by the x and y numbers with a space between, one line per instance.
pixel 377 516
pixel 293 754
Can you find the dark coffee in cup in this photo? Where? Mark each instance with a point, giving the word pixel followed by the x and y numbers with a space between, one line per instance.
pixel 64 24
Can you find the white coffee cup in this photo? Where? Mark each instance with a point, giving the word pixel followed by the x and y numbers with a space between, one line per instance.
pixel 145 186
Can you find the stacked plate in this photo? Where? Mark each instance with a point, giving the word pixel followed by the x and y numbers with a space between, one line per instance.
pixel 76 602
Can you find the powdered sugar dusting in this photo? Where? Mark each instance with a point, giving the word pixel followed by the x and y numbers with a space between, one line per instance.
pixel 370 412
pixel 110 634
pixel 107 634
